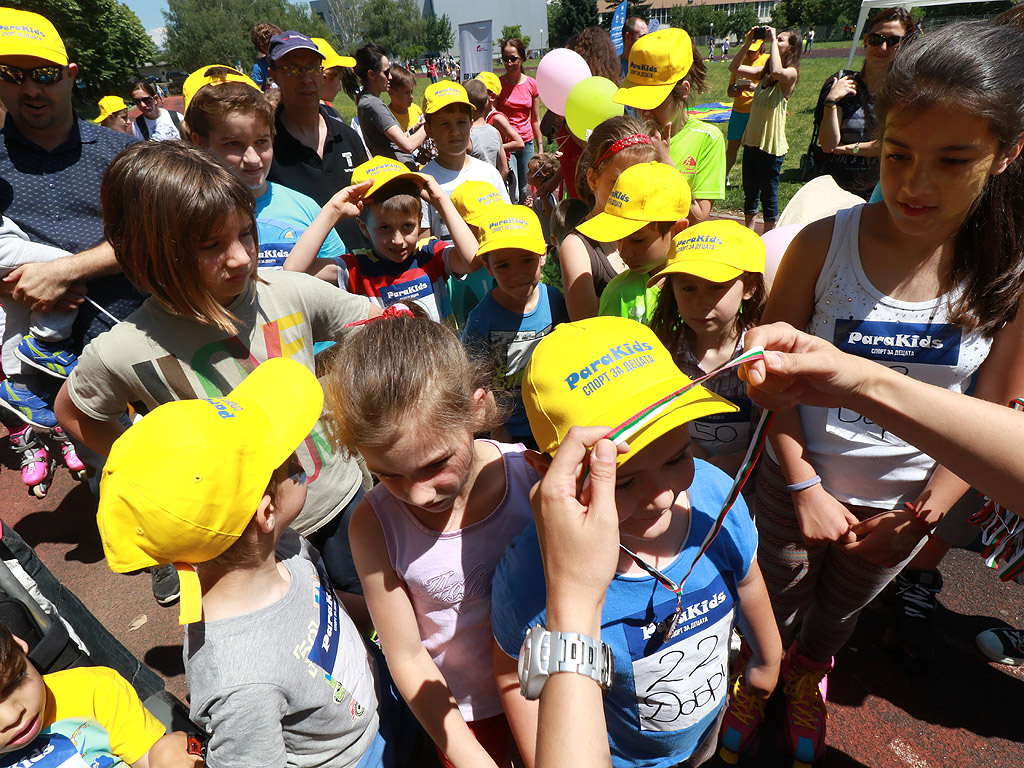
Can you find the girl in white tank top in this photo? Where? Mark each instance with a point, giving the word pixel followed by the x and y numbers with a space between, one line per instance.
pixel 426 540
pixel 928 282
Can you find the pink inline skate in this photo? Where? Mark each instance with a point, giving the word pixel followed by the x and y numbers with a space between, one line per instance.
pixel 36 464
pixel 67 450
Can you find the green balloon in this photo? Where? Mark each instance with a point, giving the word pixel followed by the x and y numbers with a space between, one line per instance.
pixel 589 104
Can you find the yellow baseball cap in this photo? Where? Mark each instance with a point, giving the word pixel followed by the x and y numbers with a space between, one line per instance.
pixel 182 485
pixel 442 93
pixel 29 34
pixel 718 251
pixel 756 45
pixel 108 106
pixel 382 171
pixel 472 199
pixel 642 194
pixel 607 371
pixel 203 76
pixel 656 63
pixel 491 80
pixel 511 226
pixel 331 57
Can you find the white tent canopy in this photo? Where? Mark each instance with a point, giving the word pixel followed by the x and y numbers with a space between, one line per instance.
pixel 870 5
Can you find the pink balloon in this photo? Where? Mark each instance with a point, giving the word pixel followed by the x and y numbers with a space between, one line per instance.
pixel 776 241
pixel 557 73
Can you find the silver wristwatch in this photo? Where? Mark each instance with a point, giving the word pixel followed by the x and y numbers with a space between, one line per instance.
pixel 544 653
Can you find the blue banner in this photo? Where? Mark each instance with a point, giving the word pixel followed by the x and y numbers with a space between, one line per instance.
pixel 617 21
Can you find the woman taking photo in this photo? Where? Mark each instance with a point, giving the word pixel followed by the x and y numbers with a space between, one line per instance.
pixel 364 83
pixel 764 141
pixel 520 103
pixel 847 127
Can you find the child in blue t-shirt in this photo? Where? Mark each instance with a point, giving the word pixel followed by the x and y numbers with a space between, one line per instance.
pixel 518 312
pixel 671 654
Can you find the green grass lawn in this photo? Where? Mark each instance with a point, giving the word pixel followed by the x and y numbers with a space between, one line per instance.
pixel 813 73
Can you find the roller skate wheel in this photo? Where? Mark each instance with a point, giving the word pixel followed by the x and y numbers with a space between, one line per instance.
pixel 39 491
pixel 80 475
pixel 728 756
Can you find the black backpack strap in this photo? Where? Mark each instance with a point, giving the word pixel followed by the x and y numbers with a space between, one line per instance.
pixel 174 118
pixel 140 123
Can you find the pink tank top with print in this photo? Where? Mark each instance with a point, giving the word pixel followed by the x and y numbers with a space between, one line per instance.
pixel 448 577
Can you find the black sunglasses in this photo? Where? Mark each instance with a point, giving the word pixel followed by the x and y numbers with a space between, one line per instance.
pixel 42 75
pixel 510 59
pixel 875 39
pixel 144 100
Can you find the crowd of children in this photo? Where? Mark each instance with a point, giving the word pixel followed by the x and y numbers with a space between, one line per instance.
pixel 398 505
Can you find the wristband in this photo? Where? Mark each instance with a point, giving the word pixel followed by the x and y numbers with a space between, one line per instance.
pixel 856 148
pixel 916 513
pixel 830 103
pixel 804 484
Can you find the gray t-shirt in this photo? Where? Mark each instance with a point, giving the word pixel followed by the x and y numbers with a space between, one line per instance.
pixel 287 685
pixel 374 119
pixel 486 144
pixel 155 357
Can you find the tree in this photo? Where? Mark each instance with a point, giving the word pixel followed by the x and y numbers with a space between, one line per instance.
pixel 640 9
pixel 104 37
pixel 740 22
pixel 345 17
pixel 201 32
pixel 397 25
pixel 697 20
pixel 567 17
pixel 515 31
pixel 438 36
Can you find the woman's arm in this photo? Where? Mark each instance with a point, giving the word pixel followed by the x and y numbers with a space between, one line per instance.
pixel 736 66
pixel 784 76
pixel 538 137
pixel 757 621
pixel 521 713
pixel 95 434
pixel 511 141
pixel 581 299
pixel 502 160
pixel 418 679
pixel 407 142
pixel 822 518
pixel 830 129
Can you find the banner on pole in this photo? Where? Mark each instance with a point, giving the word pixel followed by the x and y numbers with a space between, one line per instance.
pixel 618 20
pixel 475 48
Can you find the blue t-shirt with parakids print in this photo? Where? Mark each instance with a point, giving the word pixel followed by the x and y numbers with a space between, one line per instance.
pixel 282 215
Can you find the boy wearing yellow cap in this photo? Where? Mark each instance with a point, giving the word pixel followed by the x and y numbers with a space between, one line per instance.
pixel 667 626
pixel 518 312
pixel 647 206
pixel 449 117
pixel 276 670
pixel 385 196
pixel 113 114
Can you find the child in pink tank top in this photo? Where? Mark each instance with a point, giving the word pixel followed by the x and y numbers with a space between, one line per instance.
pixel 426 540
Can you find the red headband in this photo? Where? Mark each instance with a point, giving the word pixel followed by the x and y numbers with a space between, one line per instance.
pixel 395 310
pixel 621 144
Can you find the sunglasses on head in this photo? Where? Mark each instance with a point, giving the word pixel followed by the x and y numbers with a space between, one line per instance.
pixel 43 75
pixel 875 40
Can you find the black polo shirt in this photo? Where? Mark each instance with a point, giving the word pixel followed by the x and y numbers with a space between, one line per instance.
pixel 54 196
pixel 301 168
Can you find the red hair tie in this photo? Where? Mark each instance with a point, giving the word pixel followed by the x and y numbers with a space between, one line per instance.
pixel 621 144
pixel 395 310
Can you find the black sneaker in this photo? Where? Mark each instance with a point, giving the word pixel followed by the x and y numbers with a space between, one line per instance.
pixel 918 593
pixel 1003 645
pixel 166 589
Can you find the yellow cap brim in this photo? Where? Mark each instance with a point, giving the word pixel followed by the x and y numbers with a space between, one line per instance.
pixel 608 228
pixel 385 180
pixel 714 271
pixel 642 96
pixel 338 61
pixel 531 244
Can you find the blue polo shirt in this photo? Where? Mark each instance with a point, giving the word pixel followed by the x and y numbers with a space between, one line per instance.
pixel 54 196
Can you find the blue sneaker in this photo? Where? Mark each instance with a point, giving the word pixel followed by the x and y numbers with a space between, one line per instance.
pixel 48 356
pixel 26 406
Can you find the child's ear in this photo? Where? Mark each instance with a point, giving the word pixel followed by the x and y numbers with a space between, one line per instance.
pixel 483 400
pixel 679 226
pixel 749 285
pixel 684 92
pixel 1003 162
pixel 21 644
pixel 198 140
pixel 591 176
pixel 426 127
pixel 265 513
pixel 543 259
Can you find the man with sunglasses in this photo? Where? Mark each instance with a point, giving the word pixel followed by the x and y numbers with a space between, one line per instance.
pixel 315 152
pixel 51 164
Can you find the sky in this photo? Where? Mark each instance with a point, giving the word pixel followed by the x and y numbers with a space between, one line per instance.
pixel 150 12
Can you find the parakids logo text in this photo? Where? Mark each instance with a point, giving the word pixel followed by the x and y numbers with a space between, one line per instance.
pixel 698 243
pixel 904 342
pixel 618 360
pixel 617 199
pixel 504 225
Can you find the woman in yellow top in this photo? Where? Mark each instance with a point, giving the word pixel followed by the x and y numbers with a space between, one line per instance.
pixel 741 88
pixel 764 141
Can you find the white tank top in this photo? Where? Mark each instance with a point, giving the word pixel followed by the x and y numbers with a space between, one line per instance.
pixel 448 577
pixel 859 462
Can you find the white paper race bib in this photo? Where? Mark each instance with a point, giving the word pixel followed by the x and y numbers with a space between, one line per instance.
pixel 681 682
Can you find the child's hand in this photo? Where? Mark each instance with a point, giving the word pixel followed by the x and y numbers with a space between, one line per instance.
pixel 823 518
pixel 348 202
pixel 170 751
pixel 761 677
pixel 886 539
pixel 431 191
pixel 661 144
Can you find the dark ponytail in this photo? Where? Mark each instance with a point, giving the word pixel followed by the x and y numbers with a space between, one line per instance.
pixel 353 79
pixel 978 68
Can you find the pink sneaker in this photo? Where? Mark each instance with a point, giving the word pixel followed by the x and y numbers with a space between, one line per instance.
pixel 805 683
pixel 741 725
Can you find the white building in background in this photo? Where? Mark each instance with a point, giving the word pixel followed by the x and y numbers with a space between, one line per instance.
pixel 660 8
pixel 530 15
